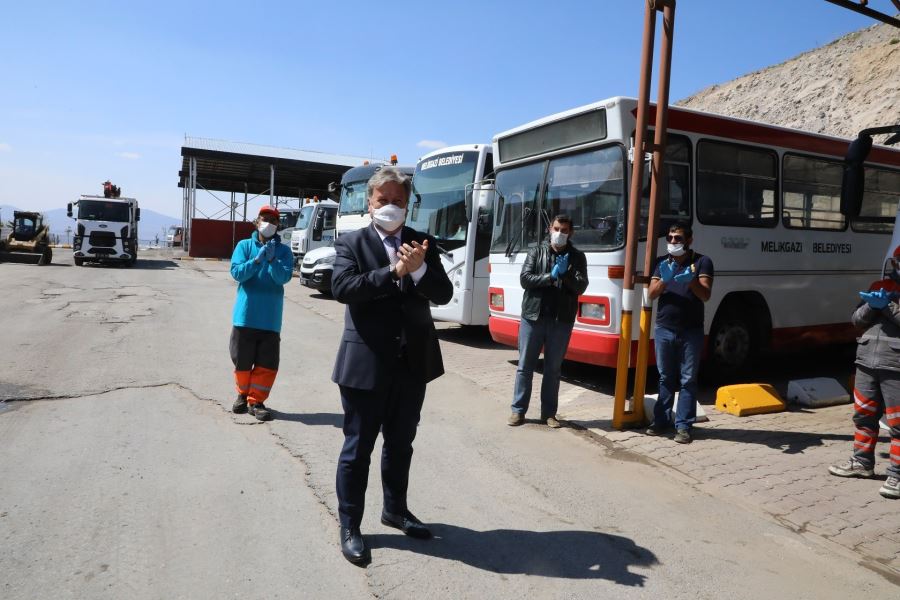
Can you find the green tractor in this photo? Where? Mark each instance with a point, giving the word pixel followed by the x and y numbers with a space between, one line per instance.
pixel 29 240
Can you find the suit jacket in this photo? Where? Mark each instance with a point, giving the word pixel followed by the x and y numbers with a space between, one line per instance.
pixel 380 314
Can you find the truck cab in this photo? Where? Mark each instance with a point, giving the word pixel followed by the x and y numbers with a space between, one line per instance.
pixel 352 214
pixel 315 227
pixel 106 230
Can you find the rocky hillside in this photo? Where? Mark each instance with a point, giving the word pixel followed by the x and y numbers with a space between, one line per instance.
pixel 838 89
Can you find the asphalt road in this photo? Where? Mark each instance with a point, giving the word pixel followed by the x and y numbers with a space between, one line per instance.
pixel 125 476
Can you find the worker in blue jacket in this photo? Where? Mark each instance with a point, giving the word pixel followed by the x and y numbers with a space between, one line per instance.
pixel 261 265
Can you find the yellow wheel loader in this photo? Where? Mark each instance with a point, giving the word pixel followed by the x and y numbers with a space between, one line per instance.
pixel 29 240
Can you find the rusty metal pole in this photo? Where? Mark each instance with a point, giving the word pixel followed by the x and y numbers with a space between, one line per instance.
pixel 620 414
pixel 657 173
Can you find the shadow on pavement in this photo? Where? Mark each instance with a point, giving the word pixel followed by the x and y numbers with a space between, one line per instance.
pixel 333 419
pixel 789 442
pixel 149 264
pixel 155 264
pixel 562 554
pixel 321 296
pixel 470 335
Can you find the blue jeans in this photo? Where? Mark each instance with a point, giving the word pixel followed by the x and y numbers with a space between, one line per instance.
pixel 553 336
pixel 678 360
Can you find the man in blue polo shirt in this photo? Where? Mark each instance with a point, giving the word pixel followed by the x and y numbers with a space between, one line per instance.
pixel 682 280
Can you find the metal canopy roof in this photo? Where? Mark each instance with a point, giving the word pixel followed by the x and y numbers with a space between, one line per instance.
pixel 230 166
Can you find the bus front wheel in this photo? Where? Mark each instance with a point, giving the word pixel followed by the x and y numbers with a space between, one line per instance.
pixel 733 344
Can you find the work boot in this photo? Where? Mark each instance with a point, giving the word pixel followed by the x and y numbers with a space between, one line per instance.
pixel 683 436
pixel 851 468
pixel 240 405
pixel 655 429
pixel 515 419
pixel 891 487
pixel 552 423
pixel 259 410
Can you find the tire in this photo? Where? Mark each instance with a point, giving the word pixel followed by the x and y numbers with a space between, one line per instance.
pixel 733 345
pixel 46 256
pixel 79 262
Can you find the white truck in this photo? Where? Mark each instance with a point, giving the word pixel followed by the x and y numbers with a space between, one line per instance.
pixel 353 214
pixel 106 229
pixel 315 227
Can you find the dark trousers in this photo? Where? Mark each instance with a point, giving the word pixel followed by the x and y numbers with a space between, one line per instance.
pixel 394 410
pixel 255 354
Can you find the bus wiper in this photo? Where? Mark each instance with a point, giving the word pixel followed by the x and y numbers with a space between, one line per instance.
pixel 513 243
pixel 442 250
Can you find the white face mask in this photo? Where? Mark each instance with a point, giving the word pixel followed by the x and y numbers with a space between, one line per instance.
pixel 675 249
pixel 558 238
pixel 389 217
pixel 266 230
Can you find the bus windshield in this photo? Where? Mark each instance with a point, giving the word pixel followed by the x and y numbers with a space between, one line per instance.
pixel 353 198
pixel 588 186
pixel 305 215
pixel 286 220
pixel 98 210
pixel 440 206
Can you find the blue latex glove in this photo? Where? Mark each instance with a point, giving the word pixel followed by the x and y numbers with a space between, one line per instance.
pixel 876 300
pixel 554 272
pixel 563 263
pixel 261 255
pixel 685 276
pixel 270 250
pixel 666 271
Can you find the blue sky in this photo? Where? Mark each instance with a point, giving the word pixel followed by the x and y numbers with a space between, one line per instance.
pixel 97 90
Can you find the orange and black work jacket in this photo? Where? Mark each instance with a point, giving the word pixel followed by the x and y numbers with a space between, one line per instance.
pixel 543 292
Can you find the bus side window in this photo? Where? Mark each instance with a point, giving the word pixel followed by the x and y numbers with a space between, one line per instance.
pixel 735 185
pixel 675 193
pixel 880 201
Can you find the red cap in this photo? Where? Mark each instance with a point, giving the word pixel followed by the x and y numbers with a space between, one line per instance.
pixel 269 210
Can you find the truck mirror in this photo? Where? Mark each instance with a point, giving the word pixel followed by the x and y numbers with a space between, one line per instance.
pixel 69 209
pixel 469 191
pixel 334 191
pixel 853 183
pixel 137 214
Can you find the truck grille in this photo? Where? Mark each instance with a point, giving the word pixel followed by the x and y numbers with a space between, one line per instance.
pixel 103 239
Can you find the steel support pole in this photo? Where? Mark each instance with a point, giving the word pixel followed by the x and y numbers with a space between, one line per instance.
pixel 233 226
pixel 245 201
pixel 621 415
pixel 271 185
pixel 657 179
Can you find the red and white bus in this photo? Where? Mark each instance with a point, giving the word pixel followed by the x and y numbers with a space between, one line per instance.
pixel 763 201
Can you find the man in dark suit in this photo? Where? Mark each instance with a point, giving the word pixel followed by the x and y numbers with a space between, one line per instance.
pixel 386 274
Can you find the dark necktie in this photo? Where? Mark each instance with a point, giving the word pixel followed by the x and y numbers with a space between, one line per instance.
pixel 394 243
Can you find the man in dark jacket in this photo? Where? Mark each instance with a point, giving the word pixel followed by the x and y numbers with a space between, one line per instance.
pixel 553 276
pixel 876 390
pixel 387 275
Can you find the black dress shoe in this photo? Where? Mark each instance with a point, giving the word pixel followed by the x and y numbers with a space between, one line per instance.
pixel 353 547
pixel 407 523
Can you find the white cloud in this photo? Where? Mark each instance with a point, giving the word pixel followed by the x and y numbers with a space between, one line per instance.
pixel 129 155
pixel 4 147
pixel 432 144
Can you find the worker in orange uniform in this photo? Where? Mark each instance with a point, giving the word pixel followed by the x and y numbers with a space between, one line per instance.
pixel 261 265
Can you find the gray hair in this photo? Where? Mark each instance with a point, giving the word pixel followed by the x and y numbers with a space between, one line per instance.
pixel 389 175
